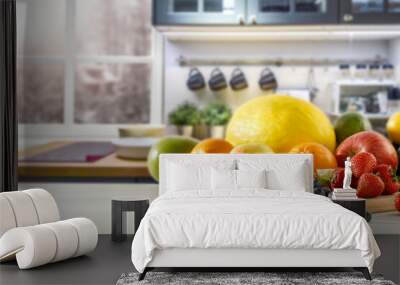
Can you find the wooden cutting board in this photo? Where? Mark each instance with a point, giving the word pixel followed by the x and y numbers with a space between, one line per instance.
pixel 381 204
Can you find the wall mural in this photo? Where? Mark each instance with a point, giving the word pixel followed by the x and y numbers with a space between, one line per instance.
pixel 40 93
pixel 112 93
pixel 109 87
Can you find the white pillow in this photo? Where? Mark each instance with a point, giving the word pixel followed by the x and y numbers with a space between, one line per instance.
pixel 193 175
pixel 282 174
pixel 251 178
pixel 291 180
pixel 183 178
pixel 223 179
pixel 230 180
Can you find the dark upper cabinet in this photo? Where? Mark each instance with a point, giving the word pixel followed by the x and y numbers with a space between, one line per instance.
pixel 286 12
pixel 370 11
pixel 275 12
pixel 199 12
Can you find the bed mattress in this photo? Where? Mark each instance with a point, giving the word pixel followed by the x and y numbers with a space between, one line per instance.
pixel 251 219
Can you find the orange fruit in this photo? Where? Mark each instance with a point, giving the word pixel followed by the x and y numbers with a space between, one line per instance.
pixel 393 127
pixel 252 148
pixel 323 157
pixel 213 146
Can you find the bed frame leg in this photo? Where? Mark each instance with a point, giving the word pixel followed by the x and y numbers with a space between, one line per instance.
pixel 143 274
pixel 364 271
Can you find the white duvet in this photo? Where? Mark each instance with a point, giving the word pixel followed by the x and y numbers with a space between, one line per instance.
pixel 250 219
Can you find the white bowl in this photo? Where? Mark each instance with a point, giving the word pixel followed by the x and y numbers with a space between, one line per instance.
pixel 141 131
pixel 133 148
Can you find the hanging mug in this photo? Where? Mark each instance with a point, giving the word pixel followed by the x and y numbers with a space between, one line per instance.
pixel 195 80
pixel 217 80
pixel 267 80
pixel 238 80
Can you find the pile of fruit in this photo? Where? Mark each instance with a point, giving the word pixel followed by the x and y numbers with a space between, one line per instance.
pixel 373 169
pixel 374 159
pixel 283 124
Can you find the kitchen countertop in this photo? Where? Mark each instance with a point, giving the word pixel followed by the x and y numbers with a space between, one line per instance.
pixel 108 167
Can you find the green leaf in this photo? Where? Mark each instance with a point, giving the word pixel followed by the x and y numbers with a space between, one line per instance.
pixel 216 114
pixel 185 114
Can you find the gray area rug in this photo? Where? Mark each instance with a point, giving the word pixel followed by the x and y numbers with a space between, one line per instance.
pixel 232 278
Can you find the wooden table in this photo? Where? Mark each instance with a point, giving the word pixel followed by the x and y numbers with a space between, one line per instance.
pixel 108 167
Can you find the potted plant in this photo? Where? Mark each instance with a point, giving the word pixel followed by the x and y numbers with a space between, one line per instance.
pixel 216 116
pixel 184 117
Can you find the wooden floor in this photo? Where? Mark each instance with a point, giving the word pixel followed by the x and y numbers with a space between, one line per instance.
pixel 103 266
pixel 111 259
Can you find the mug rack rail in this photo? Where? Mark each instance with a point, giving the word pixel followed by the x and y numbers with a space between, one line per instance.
pixel 184 61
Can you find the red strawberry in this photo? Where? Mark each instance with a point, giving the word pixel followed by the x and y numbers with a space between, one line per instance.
pixel 363 162
pixel 369 186
pixel 391 188
pixel 386 173
pixel 337 179
pixel 354 182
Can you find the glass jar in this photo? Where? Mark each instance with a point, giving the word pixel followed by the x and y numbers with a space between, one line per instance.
pixel 374 71
pixel 393 103
pixel 388 71
pixel 361 71
pixel 345 71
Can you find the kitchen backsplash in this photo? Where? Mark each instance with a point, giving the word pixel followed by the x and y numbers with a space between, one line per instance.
pixel 288 77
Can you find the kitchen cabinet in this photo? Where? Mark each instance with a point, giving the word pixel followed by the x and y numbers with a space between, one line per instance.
pixel 244 12
pixel 275 12
pixel 370 11
pixel 199 12
pixel 292 12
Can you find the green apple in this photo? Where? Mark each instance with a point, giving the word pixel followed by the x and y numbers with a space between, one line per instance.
pixel 349 124
pixel 170 144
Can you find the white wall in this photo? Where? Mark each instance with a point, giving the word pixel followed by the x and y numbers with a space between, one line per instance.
pixel 93 200
pixel 288 77
pixel 394 54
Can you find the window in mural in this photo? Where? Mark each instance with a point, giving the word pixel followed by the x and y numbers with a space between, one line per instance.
pixel 112 93
pixel 110 86
pixel 118 27
pixel 105 75
pixel 40 68
pixel 40 92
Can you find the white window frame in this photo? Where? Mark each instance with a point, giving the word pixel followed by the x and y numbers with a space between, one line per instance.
pixel 72 130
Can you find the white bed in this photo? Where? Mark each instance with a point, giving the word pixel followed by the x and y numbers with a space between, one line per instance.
pixel 280 225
